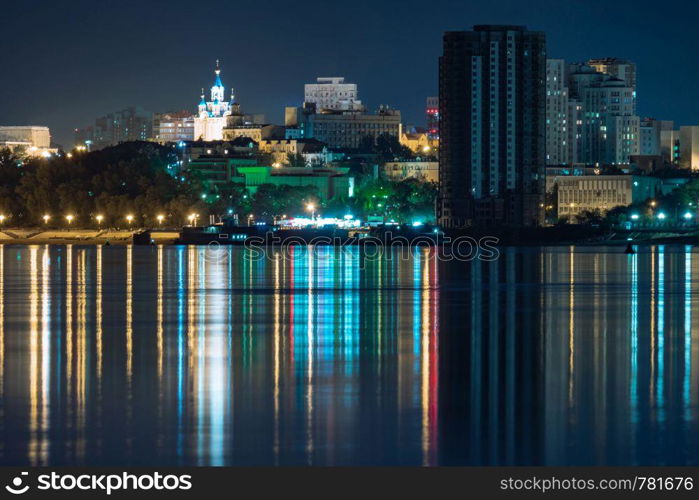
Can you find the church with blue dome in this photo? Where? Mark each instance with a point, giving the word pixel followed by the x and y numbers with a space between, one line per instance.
pixel 212 116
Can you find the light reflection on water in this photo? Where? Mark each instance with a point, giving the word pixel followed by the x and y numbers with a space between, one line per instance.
pixel 175 355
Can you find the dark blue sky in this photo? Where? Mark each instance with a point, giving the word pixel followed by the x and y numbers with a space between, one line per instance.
pixel 65 63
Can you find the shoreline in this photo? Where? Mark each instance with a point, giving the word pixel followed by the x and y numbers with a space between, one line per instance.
pixel 92 237
pixel 82 237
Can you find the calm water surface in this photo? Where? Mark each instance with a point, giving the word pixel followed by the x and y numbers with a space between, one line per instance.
pixel 177 355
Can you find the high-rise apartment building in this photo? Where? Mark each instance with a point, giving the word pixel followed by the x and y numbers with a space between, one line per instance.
pixel 557 133
pixel 130 124
pixel 607 130
pixel 492 105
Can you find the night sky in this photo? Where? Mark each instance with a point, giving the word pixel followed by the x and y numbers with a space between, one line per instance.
pixel 65 63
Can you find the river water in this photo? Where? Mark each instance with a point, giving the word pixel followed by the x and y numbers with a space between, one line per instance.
pixel 178 355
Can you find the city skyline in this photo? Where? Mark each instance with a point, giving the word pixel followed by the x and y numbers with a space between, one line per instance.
pixel 163 67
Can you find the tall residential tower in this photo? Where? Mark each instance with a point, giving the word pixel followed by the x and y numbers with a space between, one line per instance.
pixel 492 105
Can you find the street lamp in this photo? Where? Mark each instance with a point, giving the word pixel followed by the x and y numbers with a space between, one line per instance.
pixel 311 208
pixel 70 218
pixel 46 218
pixel 160 219
pixel 99 218
pixel 129 219
pixel 2 219
pixel 192 219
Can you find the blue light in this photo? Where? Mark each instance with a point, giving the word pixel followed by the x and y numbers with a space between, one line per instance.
pixel 634 216
pixel 661 216
pixel 687 215
pixel 417 224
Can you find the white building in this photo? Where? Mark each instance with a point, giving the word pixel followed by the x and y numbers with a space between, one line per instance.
pixel 333 93
pixel 34 140
pixel 173 127
pixel 213 115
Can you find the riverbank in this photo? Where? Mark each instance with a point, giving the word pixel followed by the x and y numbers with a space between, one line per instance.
pixel 550 236
pixel 81 237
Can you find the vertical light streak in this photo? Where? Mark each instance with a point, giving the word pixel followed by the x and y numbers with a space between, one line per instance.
pixel 81 354
pixel 309 373
pixel 571 328
pixel 634 338
pixel 69 332
pixel 129 346
pixel 98 318
pixel 159 313
pixel 277 334
pixel 129 319
pixel 2 325
pixel 687 333
pixel 33 450
pixel 425 359
pixel 660 395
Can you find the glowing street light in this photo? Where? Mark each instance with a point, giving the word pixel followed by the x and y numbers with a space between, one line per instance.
pixel 653 203
pixel 160 219
pixel 634 216
pixel 99 218
pixel 2 219
pixel 661 216
pixel 129 219
pixel 70 218
pixel 687 215
pixel 192 219
pixel 46 218
pixel 311 208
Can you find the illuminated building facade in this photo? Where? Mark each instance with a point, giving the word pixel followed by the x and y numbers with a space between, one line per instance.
pixel 173 127
pixel 579 193
pixel 212 116
pixel 341 129
pixel 333 94
pixel 689 148
pixel 33 140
